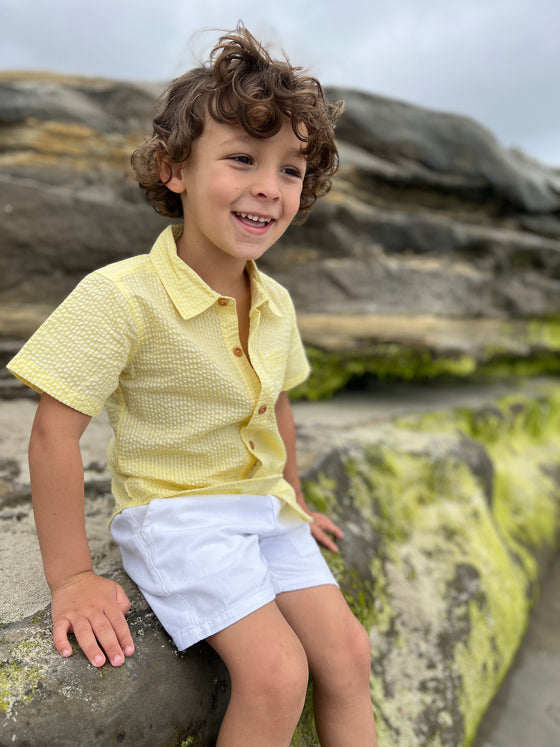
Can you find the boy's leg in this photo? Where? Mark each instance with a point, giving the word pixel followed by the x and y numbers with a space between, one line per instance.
pixel 269 673
pixel 339 654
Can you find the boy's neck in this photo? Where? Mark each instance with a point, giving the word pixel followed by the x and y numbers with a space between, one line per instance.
pixel 226 278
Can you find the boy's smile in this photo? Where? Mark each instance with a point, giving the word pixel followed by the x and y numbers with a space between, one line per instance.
pixel 239 194
pixel 253 221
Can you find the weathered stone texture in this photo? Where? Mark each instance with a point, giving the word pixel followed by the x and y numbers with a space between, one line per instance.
pixel 430 218
pixel 437 254
pixel 450 517
pixel 159 697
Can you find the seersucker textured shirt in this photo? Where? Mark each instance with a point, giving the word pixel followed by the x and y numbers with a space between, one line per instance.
pixel 150 341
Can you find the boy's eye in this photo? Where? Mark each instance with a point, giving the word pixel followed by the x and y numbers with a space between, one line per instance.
pixel 246 160
pixel 292 171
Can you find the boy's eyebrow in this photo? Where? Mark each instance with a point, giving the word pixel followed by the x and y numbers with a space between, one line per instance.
pixel 243 139
pixel 296 153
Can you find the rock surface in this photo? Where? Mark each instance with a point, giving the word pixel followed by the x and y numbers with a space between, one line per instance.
pixel 436 255
pixel 159 697
pixel 526 711
pixel 450 504
pixel 448 519
pixel 444 244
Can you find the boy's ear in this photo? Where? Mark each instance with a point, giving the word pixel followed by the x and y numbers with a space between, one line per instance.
pixel 171 174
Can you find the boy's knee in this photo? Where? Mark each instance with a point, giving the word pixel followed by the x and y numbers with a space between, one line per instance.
pixel 360 648
pixel 350 663
pixel 288 675
pixel 280 677
pixel 283 679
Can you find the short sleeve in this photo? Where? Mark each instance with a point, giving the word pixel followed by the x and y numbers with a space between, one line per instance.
pixel 79 352
pixel 297 366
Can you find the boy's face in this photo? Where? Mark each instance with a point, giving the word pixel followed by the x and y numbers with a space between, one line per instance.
pixel 239 193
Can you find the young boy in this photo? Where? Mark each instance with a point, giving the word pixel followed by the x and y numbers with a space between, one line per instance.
pixel 192 350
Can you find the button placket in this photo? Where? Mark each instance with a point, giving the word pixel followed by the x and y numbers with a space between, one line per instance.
pixel 237 350
pixel 228 325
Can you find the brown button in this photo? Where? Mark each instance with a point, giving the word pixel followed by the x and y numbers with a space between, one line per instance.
pixel 252 445
pixel 222 302
pixel 238 352
pixel 262 409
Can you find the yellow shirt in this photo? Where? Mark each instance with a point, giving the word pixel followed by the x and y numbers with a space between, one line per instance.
pixel 148 339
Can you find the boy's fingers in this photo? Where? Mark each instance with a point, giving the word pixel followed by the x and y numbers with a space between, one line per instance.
pixel 84 636
pixel 60 637
pixel 98 641
pixel 329 526
pixel 88 642
pixel 122 631
pixel 324 539
pixel 319 528
pixel 93 609
pixel 122 600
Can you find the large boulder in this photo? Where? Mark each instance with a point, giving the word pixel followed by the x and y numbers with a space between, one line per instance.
pixel 421 148
pixel 449 520
pixel 451 515
pixel 159 697
pixel 431 224
pixel 68 202
pixel 436 255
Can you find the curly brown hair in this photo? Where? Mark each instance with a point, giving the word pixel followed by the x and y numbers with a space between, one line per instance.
pixel 240 84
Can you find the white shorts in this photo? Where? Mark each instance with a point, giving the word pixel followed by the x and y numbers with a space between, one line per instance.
pixel 205 562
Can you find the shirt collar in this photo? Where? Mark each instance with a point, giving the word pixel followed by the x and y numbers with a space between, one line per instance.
pixel 260 295
pixel 188 291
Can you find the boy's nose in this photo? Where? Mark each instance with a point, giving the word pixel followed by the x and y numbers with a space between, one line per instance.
pixel 266 185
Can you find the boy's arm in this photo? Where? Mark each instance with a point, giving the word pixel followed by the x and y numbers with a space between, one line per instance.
pixel 321 523
pixel 90 606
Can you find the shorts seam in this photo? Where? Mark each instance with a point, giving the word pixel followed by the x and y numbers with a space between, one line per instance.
pixel 308 583
pixel 148 554
pixel 216 623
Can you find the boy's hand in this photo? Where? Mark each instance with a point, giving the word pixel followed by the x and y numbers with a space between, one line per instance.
pixel 319 528
pixel 93 608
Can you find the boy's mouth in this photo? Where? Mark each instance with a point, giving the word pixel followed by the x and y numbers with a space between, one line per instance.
pixel 253 220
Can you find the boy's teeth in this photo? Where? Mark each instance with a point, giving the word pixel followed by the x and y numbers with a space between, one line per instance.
pixel 254 218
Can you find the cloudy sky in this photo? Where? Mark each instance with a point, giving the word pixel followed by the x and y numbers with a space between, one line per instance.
pixel 497 61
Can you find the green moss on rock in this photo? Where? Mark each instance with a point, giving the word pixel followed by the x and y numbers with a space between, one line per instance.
pixel 545 332
pixel 460 508
pixel 527 349
pixel 332 372
pixel 23 665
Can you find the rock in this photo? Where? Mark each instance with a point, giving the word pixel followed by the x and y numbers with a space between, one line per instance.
pixel 450 504
pixel 158 697
pixel 345 349
pixel 446 150
pixel 525 710
pixel 449 520
pixel 107 106
pixel 381 261
pixel 430 220
pixel 66 146
pixel 436 256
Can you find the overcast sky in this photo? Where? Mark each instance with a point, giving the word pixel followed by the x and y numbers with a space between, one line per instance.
pixel 497 61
